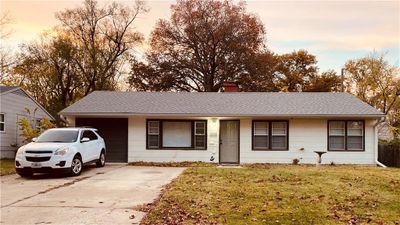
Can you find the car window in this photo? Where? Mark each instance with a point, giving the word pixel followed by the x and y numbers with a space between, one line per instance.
pixel 67 136
pixel 89 134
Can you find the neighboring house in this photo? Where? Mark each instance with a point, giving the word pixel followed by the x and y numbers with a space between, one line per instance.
pixel 384 131
pixel 230 127
pixel 14 101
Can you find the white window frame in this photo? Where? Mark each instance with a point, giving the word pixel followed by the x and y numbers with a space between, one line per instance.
pixel 279 135
pixel 353 135
pixel 261 135
pixel 195 128
pixel 337 135
pixel 200 134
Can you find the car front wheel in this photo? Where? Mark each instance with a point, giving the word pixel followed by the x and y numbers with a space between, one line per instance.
pixel 25 173
pixel 76 166
pixel 102 160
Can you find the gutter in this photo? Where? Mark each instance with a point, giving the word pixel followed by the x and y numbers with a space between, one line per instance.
pixel 376 144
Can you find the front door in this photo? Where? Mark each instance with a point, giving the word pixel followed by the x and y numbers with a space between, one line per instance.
pixel 229 141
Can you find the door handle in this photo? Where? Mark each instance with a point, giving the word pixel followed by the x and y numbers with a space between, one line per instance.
pixel 220 142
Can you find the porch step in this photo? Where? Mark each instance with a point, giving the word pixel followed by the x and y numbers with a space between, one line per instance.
pixel 234 166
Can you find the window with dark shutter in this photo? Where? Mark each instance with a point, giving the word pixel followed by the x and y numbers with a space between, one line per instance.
pixel 153 134
pixel 346 135
pixel 200 134
pixel 177 134
pixel 270 135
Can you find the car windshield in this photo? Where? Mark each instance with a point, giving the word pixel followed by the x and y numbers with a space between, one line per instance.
pixel 63 136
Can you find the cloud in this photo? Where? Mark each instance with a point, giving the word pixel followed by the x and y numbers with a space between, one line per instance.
pixel 331 25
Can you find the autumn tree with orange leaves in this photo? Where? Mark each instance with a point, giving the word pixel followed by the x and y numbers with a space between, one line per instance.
pixel 202 45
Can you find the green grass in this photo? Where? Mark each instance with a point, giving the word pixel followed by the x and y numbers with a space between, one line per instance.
pixel 280 194
pixel 7 166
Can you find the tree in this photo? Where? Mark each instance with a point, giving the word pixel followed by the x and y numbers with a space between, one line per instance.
pixel 86 52
pixel 326 82
pixel 6 58
pixel 49 72
pixel 102 37
pixel 261 73
pixel 202 45
pixel 296 70
pixel 376 82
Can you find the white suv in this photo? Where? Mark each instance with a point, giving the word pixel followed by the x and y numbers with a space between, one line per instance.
pixel 61 150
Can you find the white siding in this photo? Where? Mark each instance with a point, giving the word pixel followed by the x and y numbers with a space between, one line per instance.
pixel 137 145
pixel 310 134
pixel 13 106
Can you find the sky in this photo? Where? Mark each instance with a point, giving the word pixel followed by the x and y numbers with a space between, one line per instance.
pixel 334 31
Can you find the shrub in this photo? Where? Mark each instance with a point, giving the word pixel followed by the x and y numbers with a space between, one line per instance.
pixel 29 129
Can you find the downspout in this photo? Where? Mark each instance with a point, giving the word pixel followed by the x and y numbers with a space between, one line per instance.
pixel 376 144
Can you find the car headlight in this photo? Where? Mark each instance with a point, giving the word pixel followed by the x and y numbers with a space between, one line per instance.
pixel 61 151
pixel 21 151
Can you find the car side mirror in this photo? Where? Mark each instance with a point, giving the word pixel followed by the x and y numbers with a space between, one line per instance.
pixel 34 139
pixel 85 139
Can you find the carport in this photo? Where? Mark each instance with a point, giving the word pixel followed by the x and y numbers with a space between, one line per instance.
pixel 115 134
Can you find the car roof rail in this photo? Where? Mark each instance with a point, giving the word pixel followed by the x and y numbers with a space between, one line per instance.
pixel 88 127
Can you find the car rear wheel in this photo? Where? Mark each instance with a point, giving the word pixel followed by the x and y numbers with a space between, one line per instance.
pixel 76 166
pixel 102 160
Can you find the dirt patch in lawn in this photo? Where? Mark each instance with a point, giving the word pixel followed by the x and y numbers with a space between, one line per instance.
pixel 173 164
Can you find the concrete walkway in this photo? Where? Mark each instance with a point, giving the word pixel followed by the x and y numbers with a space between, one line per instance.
pixel 98 196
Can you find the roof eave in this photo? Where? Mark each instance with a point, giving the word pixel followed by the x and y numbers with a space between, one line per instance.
pixel 125 114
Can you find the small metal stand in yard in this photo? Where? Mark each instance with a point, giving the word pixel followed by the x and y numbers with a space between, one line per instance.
pixel 319 153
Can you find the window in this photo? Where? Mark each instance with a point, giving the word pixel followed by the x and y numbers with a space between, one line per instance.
pixel 279 135
pixel 61 136
pixel 153 131
pixel 89 134
pixel 200 134
pixel 337 135
pixel 2 122
pixel 261 139
pixel 346 135
pixel 176 134
pixel 270 135
pixel 37 124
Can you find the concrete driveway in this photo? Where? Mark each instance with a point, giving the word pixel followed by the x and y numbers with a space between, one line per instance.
pixel 98 196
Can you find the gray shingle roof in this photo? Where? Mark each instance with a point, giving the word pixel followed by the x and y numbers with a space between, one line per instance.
pixel 222 104
pixel 7 88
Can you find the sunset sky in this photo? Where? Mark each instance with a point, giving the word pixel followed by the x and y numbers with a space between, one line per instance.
pixel 334 31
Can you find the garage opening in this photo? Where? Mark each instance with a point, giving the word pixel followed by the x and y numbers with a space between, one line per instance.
pixel 115 134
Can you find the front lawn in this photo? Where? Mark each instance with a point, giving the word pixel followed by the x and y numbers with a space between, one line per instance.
pixel 6 166
pixel 280 194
